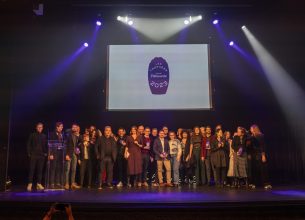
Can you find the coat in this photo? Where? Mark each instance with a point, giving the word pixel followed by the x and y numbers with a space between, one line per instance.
pixel 158 148
pixel 100 148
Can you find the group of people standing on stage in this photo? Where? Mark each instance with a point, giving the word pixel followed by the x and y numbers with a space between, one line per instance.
pixel 148 156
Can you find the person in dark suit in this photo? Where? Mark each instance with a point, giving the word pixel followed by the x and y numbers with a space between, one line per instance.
pixel 56 157
pixel 37 151
pixel 106 153
pixel 85 160
pixel 72 151
pixel 162 155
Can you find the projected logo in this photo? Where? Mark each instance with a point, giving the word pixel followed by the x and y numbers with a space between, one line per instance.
pixel 158 76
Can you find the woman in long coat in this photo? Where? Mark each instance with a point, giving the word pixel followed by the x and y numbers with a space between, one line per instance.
pixel 134 156
pixel 240 165
pixel 218 157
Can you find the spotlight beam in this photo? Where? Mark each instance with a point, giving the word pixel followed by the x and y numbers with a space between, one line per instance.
pixel 288 93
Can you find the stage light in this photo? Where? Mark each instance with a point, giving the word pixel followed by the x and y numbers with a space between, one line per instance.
pixel 130 22
pixel 287 90
pixel 86 44
pixel 119 18
pixel 231 43
pixel 200 17
pixel 215 21
pixel 186 22
pixel 191 19
pixel 243 27
pixel 98 23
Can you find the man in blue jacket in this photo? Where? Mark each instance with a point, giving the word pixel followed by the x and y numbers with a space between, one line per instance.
pixel 162 156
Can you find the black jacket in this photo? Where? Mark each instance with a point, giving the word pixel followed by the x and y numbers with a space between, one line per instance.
pixel 37 145
pixel 100 147
pixel 71 145
pixel 238 143
pixel 82 151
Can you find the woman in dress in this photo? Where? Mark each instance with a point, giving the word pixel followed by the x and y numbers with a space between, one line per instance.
pixel 186 170
pixel 230 159
pixel 134 157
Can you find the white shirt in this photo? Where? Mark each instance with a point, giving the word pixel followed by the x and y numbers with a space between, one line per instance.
pixel 162 143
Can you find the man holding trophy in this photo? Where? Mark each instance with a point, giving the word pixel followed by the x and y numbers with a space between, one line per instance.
pixel 162 155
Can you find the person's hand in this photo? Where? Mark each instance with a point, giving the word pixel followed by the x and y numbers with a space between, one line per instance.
pixel 69 211
pixel 202 158
pixel 178 159
pixel 51 211
pixel 79 162
pixel 51 157
pixel 187 158
pixel 264 159
pixel 162 155
pixel 249 157
pixel 136 142
pixel 68 157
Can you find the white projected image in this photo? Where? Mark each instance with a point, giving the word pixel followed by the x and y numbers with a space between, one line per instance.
pixel 158 77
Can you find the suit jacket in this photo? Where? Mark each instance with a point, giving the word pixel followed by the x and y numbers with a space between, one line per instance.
pixel 100 148
pixel 71 145
pixel 54 136
pixel 158 148
pixel 37 145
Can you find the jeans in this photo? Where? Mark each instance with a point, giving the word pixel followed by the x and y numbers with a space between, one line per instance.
pixel 200 167
pixel 175 164
pixel 145 164
pixel 70 165
pixel 167 165
pixel 36 164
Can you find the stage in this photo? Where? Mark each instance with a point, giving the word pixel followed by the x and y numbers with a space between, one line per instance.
pixel 282 202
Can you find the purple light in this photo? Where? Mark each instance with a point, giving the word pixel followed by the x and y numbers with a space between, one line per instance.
pixel 215 21
pixel 98 23
pixel 86 44
pixel 231 43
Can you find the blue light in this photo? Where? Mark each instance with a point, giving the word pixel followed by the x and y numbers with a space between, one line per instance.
pixel 231 43
pixel 86 44
pixel 215 21
pixel 98 23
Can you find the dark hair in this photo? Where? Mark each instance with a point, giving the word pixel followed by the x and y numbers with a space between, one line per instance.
pixel 185 131
pixel 195 128
pixel 39 123
pixel 133 127
pixel 121 128
pixel 59 123
pixel 154 129
pixel 147 128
